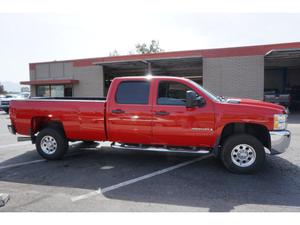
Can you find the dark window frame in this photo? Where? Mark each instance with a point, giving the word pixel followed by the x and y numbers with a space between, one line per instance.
pixel 134 81
pixel 166 81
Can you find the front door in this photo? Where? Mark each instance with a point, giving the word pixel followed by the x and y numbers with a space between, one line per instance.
pixel 176 125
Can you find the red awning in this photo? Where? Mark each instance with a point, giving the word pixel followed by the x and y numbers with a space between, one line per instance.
pixel 47 82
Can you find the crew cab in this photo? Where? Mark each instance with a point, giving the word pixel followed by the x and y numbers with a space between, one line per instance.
pixel 157 113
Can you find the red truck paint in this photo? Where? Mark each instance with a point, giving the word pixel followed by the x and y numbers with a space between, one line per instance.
pixel 94 120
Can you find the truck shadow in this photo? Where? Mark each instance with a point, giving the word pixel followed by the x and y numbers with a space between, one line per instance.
pixel 205 184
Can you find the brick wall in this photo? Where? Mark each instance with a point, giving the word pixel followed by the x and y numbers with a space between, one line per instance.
pixel 90 81
pixel 241 76
pixel 90 77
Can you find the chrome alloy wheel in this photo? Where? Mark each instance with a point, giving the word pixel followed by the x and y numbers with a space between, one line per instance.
pixel 48 145
pixel 243 155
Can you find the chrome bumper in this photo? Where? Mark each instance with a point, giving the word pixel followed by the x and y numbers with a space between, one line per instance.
pixel 280 141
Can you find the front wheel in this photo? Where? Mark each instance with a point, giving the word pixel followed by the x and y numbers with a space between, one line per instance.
pixel 243 153
pixel 51 143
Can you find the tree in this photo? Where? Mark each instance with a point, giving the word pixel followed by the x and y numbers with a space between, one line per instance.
pixel 114 53
pixel 152 48
pixel 142 49
pixel 2 91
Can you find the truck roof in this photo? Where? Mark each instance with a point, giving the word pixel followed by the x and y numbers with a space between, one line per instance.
pixel 150 77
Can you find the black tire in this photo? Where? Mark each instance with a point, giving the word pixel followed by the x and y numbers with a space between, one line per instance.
pixel 61 143
pixel 243 141
pixel 6 111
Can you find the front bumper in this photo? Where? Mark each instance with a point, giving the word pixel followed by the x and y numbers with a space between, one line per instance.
pixel 280 141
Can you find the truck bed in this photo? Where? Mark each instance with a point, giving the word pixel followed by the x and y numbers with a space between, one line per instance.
pixel 82 118
pixel 70 98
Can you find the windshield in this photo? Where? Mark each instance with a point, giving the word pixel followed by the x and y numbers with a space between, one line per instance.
pixel 25 95
pixel 210 95
pixel 9 96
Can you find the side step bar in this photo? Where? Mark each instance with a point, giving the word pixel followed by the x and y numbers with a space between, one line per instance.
pixel 116 145
pixel 23 138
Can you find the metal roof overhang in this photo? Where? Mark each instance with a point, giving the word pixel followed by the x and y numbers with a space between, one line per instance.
pixel 177 66
pixel 283 58
pixel 48 82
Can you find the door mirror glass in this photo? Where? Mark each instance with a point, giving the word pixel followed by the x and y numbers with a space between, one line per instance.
pixel 192 99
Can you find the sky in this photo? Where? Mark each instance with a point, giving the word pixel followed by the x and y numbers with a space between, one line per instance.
pixel 38 35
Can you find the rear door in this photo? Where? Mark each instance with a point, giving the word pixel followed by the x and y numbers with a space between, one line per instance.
pixel 129 112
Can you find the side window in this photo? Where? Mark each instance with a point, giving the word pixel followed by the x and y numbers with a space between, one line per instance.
pixel 171 93
pixel 133 92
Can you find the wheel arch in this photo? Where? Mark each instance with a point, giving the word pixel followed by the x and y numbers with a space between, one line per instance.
pixel 259 131
pixel 39 123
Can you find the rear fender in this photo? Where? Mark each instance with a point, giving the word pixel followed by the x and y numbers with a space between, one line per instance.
pixel 39 123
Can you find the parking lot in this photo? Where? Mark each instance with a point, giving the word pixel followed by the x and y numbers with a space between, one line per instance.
pixel 95 178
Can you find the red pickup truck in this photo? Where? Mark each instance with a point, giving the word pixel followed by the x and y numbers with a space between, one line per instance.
pixel 157 113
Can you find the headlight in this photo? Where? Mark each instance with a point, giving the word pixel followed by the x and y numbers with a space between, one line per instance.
pixel 280 121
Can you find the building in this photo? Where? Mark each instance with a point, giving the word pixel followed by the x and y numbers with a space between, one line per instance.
pixel 239 71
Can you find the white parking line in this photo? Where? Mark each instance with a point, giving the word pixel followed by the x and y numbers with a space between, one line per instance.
pixel 22 164
pixel 128 182
pixel 17 144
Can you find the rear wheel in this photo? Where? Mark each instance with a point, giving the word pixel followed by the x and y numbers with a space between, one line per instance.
pixel 51 143
pixel 243 153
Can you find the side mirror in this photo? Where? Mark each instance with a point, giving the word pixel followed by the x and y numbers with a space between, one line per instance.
pixel 192 99
pixel 200 101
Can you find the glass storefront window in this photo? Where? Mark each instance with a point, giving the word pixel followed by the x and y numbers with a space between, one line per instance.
pixel 54 91
pixel 43 91
pixel 57 90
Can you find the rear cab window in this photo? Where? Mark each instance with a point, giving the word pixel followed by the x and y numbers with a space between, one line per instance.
pixel 133 92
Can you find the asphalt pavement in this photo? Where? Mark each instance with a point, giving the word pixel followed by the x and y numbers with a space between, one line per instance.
pixel 97 178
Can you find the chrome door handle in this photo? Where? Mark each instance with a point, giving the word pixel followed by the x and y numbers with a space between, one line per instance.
pixel 162 113
pixel 118 111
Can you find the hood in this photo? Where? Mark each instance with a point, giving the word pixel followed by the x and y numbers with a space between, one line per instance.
pixel 247 101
